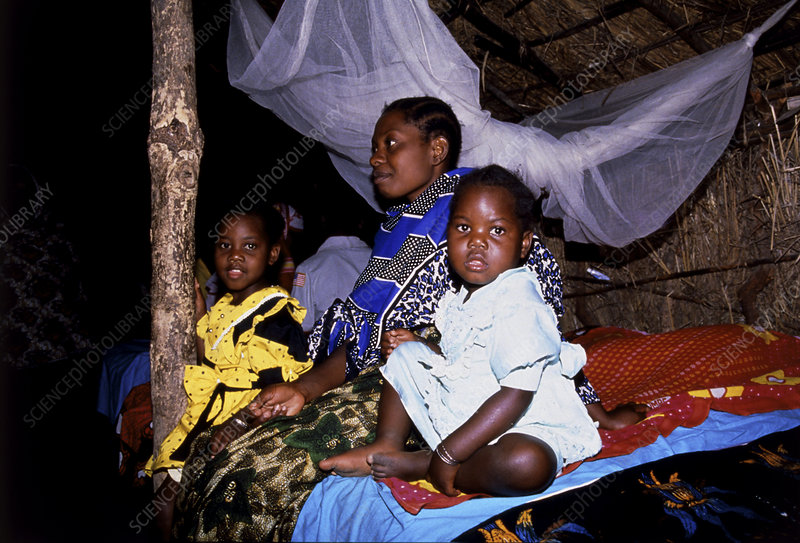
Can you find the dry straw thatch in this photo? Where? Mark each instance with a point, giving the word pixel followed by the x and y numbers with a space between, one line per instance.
pixel 730 254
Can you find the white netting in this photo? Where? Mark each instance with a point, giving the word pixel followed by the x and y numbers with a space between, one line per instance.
pixel 615 163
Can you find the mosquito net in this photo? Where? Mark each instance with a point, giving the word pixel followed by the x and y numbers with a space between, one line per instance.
pixel 614 164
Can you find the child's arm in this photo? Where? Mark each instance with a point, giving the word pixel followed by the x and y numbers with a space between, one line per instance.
pixel 199 312
pixel 493 418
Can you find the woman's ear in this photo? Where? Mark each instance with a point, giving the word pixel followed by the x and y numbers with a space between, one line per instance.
pixel 274 253
pixel 527 240
pixel 441 149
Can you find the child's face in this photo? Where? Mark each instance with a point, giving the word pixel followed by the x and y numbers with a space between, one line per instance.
pixel 403 163
pixel 484 236
pixel 242 255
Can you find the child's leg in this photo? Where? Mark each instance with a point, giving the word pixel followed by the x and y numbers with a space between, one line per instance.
pixel 517 465
pixel 165 495
pixel 392 430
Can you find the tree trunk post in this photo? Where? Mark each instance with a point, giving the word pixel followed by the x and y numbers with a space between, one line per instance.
pixel 174 149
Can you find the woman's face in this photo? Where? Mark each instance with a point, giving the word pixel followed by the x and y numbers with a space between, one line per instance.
pixel 484 236
pixel 403 163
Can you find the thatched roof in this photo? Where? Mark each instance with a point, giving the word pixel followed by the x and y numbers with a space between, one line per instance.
pixel 529 51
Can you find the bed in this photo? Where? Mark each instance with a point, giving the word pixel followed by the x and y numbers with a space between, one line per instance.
pixel 361 509
pixel 651 482
pixel 717 458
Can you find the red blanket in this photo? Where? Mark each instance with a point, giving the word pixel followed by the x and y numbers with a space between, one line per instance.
pixel 683 374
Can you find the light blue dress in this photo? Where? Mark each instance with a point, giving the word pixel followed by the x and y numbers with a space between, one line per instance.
pixel 503 335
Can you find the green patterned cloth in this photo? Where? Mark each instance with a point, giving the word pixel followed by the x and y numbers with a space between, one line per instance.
pixel 255 488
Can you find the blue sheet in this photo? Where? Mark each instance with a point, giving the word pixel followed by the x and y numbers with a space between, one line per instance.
pixel 361 509
pixel 124 366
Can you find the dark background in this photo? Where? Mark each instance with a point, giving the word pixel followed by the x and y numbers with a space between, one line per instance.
pixel 75 108
pixel 78 91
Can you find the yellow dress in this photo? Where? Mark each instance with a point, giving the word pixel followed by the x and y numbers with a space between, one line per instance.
pixel 229 377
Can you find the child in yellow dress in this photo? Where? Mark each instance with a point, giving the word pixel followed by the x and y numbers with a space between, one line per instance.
pixel 250 338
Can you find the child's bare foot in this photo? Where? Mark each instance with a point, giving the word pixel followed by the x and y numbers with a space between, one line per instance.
pixel 353 463
pixel 619 417
pixel 409 466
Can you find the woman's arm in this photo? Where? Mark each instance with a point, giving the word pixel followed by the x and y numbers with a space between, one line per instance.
pixel 393 338
pixel 289 398
pixel 493 418
pixel 283 398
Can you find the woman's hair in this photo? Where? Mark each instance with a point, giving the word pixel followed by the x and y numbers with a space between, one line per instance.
pixel 497 176
pixel 433 118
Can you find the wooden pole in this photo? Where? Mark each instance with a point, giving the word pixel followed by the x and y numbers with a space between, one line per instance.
pixel 174 149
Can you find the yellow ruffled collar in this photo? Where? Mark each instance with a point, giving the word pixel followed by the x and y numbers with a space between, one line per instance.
pixel 225 315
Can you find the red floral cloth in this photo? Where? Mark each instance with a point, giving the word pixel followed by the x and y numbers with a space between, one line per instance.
pixel 418 494
pixel 628 366
pixel 136 434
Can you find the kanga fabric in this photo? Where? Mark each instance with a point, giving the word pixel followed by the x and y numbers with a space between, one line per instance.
pixel 628 366
pixel 615 164
pixel 411 238
pixel 683 374
pixel 406 277
pixel 254 489
pixel 745 493
pixel 135 430
pixel 247 347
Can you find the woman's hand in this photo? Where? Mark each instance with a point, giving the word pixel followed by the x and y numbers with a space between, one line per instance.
pixel 442 476
pixel 289 398
pixel 391 339
pixel 277 399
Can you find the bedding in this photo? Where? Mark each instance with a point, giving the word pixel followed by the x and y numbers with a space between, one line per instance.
pixel 124 367
pixel 361 509
pixel 707 388
pixel 744 493
pixel 714 406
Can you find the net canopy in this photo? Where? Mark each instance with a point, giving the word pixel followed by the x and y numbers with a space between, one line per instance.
pixel 613 164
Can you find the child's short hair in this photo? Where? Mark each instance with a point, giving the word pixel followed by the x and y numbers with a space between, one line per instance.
pixel 272 220
pixel 497 176
pixel 434 118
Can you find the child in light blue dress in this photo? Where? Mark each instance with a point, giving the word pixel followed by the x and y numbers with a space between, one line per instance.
pixel 494 400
